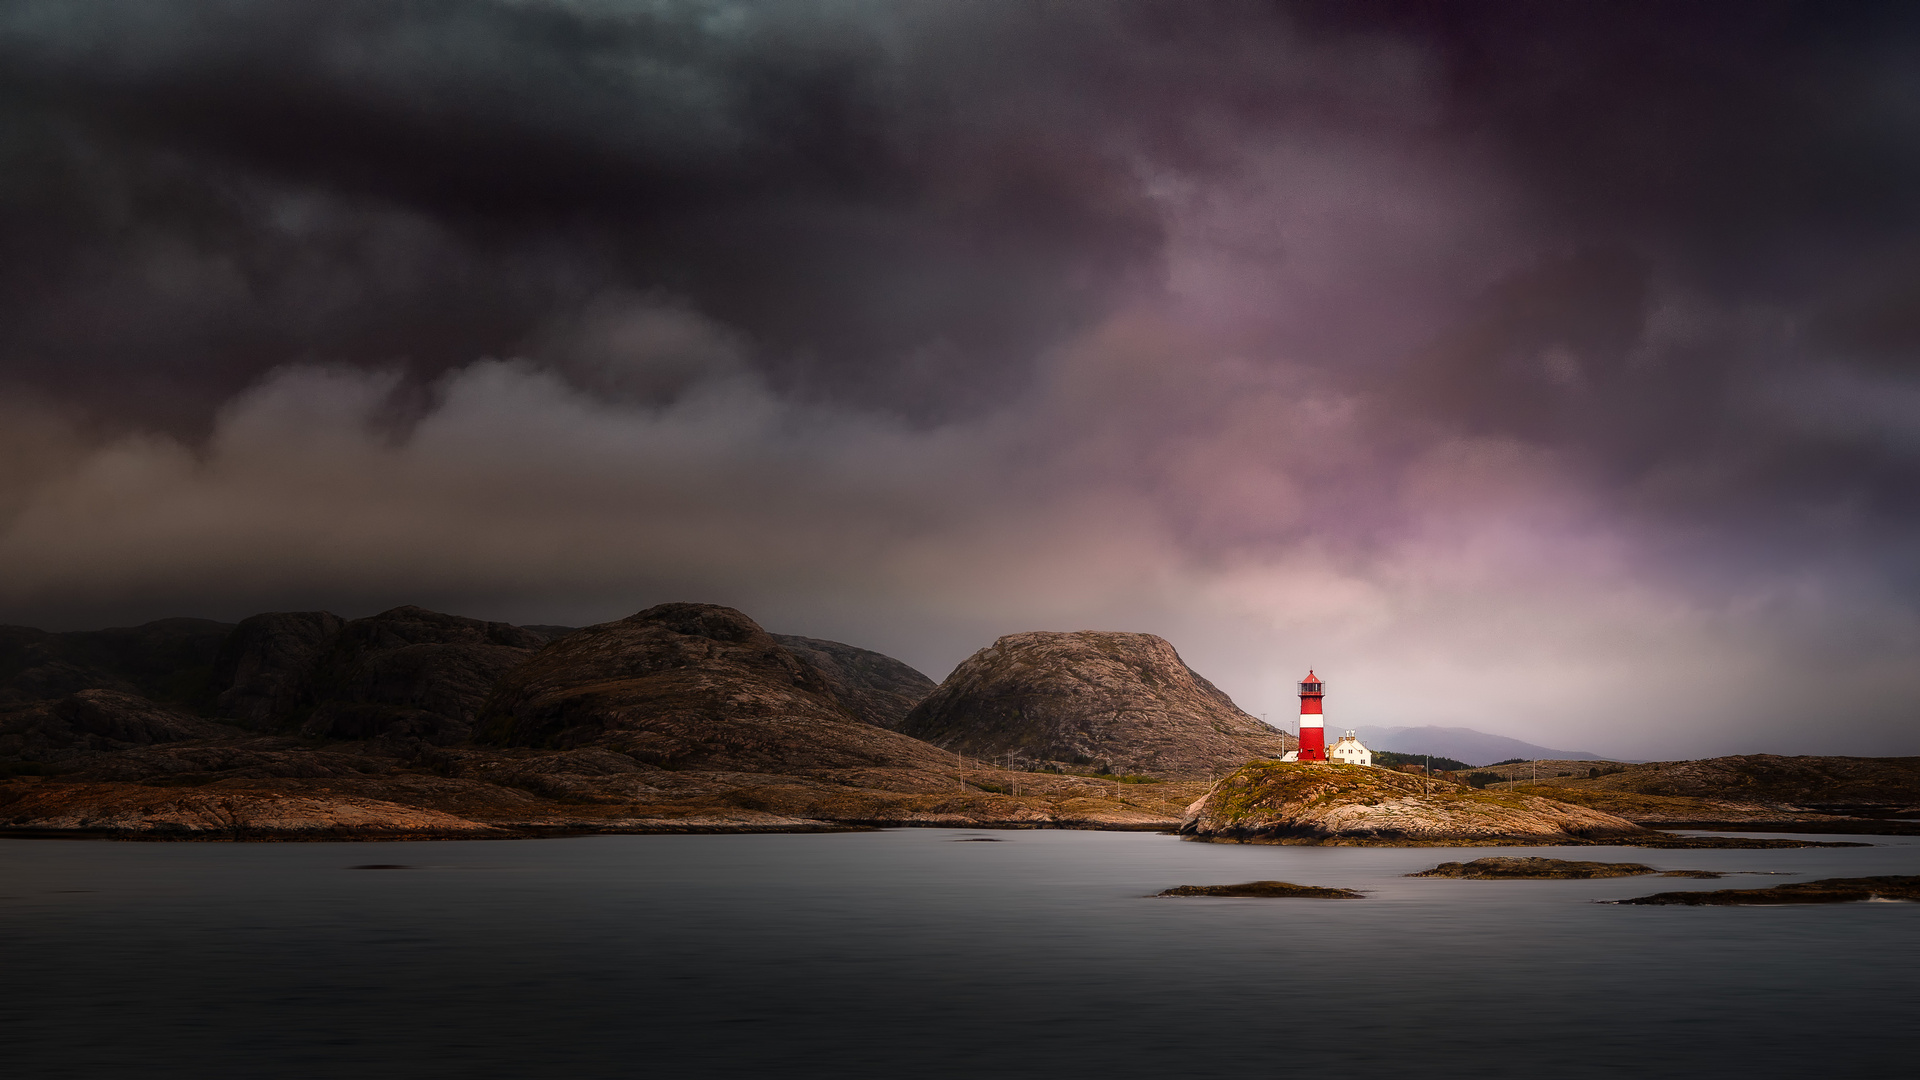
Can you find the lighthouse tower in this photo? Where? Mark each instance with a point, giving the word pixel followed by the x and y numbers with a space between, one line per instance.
pixel 1313 734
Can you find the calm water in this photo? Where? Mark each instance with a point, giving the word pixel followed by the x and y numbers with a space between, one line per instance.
pixel 907 953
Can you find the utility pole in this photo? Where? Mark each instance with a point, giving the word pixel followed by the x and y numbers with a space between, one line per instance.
pixel 1429 775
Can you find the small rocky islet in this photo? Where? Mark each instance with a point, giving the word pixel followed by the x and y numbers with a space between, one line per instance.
pixel 1265 890
pixel 1535 868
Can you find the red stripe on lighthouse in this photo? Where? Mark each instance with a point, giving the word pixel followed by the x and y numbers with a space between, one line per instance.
pixel 1313 732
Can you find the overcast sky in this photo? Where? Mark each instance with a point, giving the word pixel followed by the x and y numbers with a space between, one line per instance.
pixel 1547 369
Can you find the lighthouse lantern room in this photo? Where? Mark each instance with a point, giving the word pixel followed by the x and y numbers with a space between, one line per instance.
pixel 1313 733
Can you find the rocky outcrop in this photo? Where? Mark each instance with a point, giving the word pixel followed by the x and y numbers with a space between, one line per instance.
pixel 413 673
pixel 119 719
pixel 1317 803
pixel 691 685
pixel 404 673
pixel 1076 701
pixel 168 660
pixel 872 686
pixel 93 721
pixel 266 668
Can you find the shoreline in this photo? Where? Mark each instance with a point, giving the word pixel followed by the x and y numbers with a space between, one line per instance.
pixel 667 828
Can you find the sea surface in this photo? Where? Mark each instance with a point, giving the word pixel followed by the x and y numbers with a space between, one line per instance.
pixel 929 953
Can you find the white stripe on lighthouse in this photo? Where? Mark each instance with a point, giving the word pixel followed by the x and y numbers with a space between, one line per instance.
pixel 1312 719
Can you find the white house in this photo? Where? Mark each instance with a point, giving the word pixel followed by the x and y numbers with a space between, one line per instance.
pixel 1348 751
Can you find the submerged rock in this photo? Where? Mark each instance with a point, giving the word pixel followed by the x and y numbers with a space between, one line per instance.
pixel 1122 701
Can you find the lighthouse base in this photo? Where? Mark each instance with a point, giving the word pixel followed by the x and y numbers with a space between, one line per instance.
pixel 1313 741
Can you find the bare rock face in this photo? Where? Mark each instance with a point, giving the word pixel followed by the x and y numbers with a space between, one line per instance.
pixel 872 686
pixel 131 720
pixel 1076 700
pixel 93 721
pixel 170 660
pixel 410 672
pixel 685 685
pixel 404 673
pixel 1320 803
pixel 267 666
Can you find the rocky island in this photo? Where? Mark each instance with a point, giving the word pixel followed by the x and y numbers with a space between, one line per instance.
pixel 1274 802
pixel 1322 803
pixel 1534 868
pixel 1265 890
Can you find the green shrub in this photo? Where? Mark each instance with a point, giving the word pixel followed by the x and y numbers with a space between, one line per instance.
pixel 1440 764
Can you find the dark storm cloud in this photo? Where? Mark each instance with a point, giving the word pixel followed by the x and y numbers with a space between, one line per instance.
pixel 1564 349
pixel 1721 199
pixel 213 189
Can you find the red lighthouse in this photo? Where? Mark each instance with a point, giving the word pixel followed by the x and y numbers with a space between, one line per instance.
pixel 1313 734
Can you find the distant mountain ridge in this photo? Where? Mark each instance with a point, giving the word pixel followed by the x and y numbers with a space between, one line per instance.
pixel 1465 744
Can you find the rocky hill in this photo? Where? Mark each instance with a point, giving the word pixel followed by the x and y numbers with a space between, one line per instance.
pixel 1317 803
pixel 1076 701
pixel 169 660
pixel 872 686
pixel 684 685
pixel 406 673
